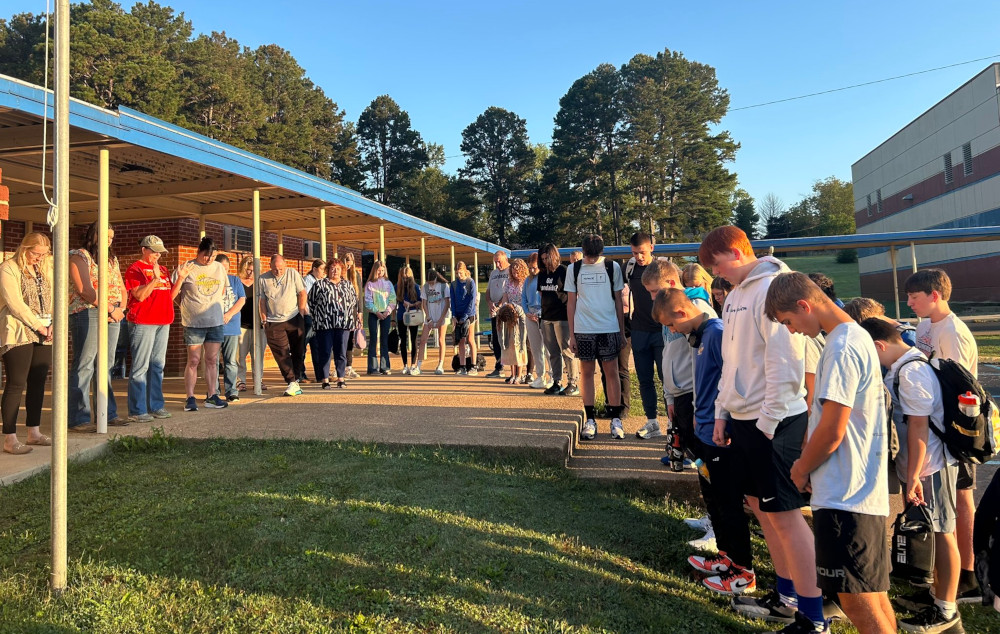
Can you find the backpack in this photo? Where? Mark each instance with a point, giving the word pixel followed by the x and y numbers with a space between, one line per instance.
pixel 610 266
pixel 969 438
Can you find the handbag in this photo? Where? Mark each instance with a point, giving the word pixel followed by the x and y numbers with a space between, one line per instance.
pixel 413 317
pixel 359 339
pixel 913 546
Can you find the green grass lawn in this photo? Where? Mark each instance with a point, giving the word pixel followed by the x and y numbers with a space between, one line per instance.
pixel 846 279
pixel 283 536
pixel 989 348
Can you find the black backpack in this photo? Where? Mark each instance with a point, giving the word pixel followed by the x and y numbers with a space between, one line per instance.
pixel 609 265
pixel 968 438
pixel 912 551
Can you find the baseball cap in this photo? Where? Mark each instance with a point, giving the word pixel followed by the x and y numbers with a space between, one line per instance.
pixel 154 243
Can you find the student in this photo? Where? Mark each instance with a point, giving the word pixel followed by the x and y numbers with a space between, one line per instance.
pixel 862 308
pixel 941 334
pixel 555 324
pixel 232 302
pixel 720 290
pixel 407 299
pixel 513 341
pixel 843 462
pixel 926 469
pixel 464 302
pixel 732 569
pixel 762 411
pixel 695 275
pixel 436 303
pixel 531 304
pixel 496 288
pixel 646 334
pixel 316 272
pixel 380 301
pixel 597 329
pixel 825 284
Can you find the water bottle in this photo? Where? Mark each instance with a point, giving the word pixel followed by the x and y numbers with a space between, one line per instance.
pixel 702 468
pixel 968 404
pixel 675 450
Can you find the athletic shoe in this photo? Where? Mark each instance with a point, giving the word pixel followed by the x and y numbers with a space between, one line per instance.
pixel 703 523
pixel 768 608
pixel 406 370
pixel 650 430
pixel 736 580
pixel 706 542
pixel 713 564
pixel 351 374
pixel 617 431
pixel 555 388
pixel 589 430
pixel 191 404
pixel 415 371
pixel 538 383
pixel 930 621
pixel 915 602
pixel 461 372
pixel 140 418
pixel 832 610
pixel 801 624
pixel 233 398
pixel 439 370
pixel 570 390
pixel 386 372
pixel 214 402
pixel 495 374
pixel 162 413
pixel 473 372
pixel 971 593
pixel 293 389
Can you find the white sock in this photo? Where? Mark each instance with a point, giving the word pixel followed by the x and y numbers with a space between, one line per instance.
pixel 947 607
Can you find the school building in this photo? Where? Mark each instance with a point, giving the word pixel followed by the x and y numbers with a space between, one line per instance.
pixel 941 171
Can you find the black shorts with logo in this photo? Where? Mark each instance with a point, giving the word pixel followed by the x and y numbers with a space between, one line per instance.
pixel 461 330
pixel 598 347
pixel 852 552
pixel 765 465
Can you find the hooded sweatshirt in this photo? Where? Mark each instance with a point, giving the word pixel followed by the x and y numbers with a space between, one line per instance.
pixel 678 366
pixel 763 363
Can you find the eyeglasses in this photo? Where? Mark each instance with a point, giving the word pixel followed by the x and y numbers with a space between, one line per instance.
pixel 39 255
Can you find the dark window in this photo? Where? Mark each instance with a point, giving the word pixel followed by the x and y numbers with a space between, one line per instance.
pixel 869 205
pixel 949 177
pixel 967 158
pixel 878 200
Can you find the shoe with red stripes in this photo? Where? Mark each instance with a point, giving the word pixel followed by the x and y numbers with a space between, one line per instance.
pixel 736 580
pixel 713 564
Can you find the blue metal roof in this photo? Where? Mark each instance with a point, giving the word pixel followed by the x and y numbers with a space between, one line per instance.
pixel 136 128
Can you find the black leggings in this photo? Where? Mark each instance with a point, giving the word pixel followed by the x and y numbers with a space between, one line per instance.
pixel 26 366
pixel 413 342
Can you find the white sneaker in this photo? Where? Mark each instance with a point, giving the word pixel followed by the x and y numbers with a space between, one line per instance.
pixel 406 369
pixel 589 430
pixel 293 389
pixel 473 371
pixel 539 383
pixel 617 430
pixel 706 542
pixel 414 371
pixel 439 370
pixel 351 374
pixel 699 523
pixel 650 430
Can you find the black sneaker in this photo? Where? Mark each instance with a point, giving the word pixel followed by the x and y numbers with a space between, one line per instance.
pixel 916 602
pixel 803 625
pixel 233 398
pixel 930 621
pixel 495 374
pixel 768 608
pixel 191 405
pixel 555 388
pixel 969 593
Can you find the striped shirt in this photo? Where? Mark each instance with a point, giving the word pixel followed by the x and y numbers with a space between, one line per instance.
pixel 333 305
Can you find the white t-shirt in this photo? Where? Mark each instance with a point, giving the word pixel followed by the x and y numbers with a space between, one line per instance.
pixel 951 339
pixel 595 306
pixel 854 477
pixel 919 395
pixel 813 349
pixel 435 293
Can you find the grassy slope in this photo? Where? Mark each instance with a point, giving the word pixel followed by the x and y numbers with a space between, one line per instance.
pixel 846 279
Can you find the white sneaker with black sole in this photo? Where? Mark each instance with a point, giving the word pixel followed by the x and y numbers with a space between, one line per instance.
pixel 706 542
pixel 617 429
pixel 589 430
pixel 650 430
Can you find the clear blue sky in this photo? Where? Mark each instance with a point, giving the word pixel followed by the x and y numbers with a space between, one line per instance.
pixel 446 62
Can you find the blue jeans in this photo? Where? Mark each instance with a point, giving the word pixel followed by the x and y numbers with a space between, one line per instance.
pixel 378 337
pixel 647 351
pixel 145 383
pixel 229 355
pixel 83 330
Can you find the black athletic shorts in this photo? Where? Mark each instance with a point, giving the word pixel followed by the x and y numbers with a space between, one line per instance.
pixel 461 330
pixel 765 465
pixel 598 347
pixel 684 421
pixel 852 552
pixel 966 476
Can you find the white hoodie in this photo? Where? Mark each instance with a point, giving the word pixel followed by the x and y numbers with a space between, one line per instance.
pixel 678 363
pixel 763 364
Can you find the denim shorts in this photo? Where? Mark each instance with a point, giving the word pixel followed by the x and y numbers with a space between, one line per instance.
pixel 198 336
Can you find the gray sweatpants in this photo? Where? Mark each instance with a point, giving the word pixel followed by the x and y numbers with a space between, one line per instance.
pixel 555 335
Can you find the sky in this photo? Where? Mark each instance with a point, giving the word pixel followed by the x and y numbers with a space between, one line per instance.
pixel 445 62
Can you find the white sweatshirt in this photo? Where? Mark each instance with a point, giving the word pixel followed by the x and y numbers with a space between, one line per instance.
pixel 762 363
pixel 678 363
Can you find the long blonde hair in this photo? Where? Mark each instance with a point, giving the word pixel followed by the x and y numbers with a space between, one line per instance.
pixel 351 272
pixel 30 241
pixel 695 275
pixel 373 274
pixel 246 265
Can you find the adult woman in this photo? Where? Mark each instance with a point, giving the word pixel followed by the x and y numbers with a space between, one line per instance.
pixel 25 339
pixel 199 286
pixel 333 303
pixel 150 313
pixel 380 300
pixel 245 273
pixel 353 276
pixel 436 305
pixel 513 292
pixel 83 320
pixel 531 304
pixel 407 298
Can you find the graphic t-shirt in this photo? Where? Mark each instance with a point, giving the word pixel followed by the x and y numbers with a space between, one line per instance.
pixel 951 339
pixel 435 293
pixel 233 293
pixel 201 295
pixel 158 308
pixel 550 287
pixel 595 304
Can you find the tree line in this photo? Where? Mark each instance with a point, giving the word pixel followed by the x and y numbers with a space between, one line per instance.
pixel 633 147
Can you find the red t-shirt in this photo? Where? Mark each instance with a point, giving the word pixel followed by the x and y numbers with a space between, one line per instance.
pixel 158 308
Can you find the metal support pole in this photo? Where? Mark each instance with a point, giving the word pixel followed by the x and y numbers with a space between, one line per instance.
pixel 381 243
pixel 201 226
pixel 322 234
pixel 101 398
pixel 475 280
pixel 257 351
pixel 29 226
pixel 336 252
pixel 895 278
pixel 475 268
pixel 60 339
pixel 913 256
pixel 281 243
pixel 453 263
pixel 423 260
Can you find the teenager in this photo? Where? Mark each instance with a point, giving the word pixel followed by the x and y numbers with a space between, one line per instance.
pixel 380 301
pixel 926 469
pixel 464 302
pixel 249 284
pixel 232 303
pixel 720 290
pixel 531 304
pixel 941 334
pixel 437 309
pixel 316 272
pixel 762 411
pixel 555 324
pixel 862 308
pixel 843 463
pixel 597 329
pixel 646 334
pixel 353 275
pixel 407 299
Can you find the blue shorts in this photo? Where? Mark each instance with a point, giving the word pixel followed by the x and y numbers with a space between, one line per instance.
pixel 198 336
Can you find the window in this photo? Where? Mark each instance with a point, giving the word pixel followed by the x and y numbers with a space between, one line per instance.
pixel 949 177
pixel 869 205
pixel 310 249
pixel 967 158
pixel 878 200
pixel 238 239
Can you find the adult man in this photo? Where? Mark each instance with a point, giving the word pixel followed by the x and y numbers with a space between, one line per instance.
pixel 282 308
pixel 646 336
pixel 498 278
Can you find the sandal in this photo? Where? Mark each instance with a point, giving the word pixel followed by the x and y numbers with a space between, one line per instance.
pixel 43 441
pixel 326 385
pixel 341 383
pixel 18 449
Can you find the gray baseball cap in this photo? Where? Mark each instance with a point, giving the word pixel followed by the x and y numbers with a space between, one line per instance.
pixel 154 243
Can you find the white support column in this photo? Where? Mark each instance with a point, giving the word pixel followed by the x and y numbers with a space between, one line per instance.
pixel 281 243
pixel 257 345
pixel 895 278
pixel 201 226
pixel 453 263
pixel 322 234
pixel 381 243
pixel 423 260
pixel 336 252
pixel 475 280
pixel 101 397
pixel 913 256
